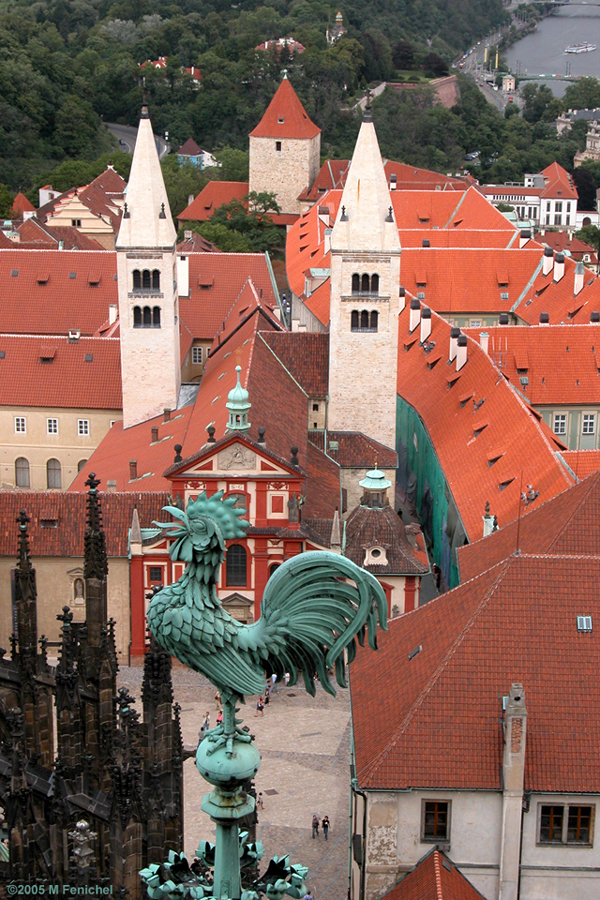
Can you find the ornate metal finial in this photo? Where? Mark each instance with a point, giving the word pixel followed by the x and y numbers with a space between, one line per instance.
pixel 367 116
pixel 24 561
pixel 125 211
pixel 343 217
pixel 261 435
pixel 487 508
pixel 294 461
pixel 390 215
pixel 144 114
pixel 162 214
pixel 211 434
pixel 95 558
pixel 285 74
pixel 178 456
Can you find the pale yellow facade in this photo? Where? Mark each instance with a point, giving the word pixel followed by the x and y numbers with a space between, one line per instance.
pixel 40 435
pixel 76 214
pixel 60 583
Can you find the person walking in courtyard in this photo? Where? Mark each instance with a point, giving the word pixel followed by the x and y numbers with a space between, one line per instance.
pixel 308 895
pixel 260 707
pixel 315 827
pixel 325 826
pixel 260 802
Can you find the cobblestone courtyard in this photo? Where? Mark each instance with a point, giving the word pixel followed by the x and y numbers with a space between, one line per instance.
pixel 304 744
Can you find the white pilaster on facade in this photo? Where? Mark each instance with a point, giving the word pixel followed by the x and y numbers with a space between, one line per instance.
pixel 365 282
pixel 147 287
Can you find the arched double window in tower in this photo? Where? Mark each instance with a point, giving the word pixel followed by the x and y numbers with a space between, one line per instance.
pixel 146 280
pixel 365 284
pixel 364 320
pixel 146 317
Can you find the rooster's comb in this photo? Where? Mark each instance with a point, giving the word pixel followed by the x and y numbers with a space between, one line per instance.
pixel 224 512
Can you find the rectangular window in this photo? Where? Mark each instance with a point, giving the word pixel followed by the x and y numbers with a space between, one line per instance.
pixel 76 223
pixel 83 426
pixel 558 219
pixel 435 821
pixel 52 426
pixel 589 423
pixel 20 425
pixel 560 423
pixel 566 824
pixel 315 407
pixel 155 574
pixel 197 356
pixel 558 206
pixel 278 146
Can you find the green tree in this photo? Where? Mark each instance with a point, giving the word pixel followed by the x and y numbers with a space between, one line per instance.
pixel 234 165
pixel 6 202
pixel 77 127
pixel 245 222
pixel 182 181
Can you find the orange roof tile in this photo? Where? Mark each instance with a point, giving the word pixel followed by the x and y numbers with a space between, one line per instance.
pixel 435 877
pixel 319 302
pixel 305 355
pixel 285 117
pixel 582 462
pixel 36 235
pixel 557 298
pixel 464 436
pixel 69 508
pixel 548 364
pixel 216 280
pixel 567 523
pixel 21 204
pixel 84 373
pixel 66 300
pixel 476 641
pixel 557 181
pixel 211 197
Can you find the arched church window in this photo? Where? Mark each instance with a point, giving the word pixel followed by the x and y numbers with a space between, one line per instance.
pixel 375 284
pixel 356 283
pixel 354 320
pixel 146 280
pixel 137 280
pixel 137 317
pixel 22 472
pixel 236 566
pixel 364 319
pixel 364 284
pixel 156 317
pixel 53 472
pixel 156 280
pixel 147 317
pixel 273 568
pixel 374 320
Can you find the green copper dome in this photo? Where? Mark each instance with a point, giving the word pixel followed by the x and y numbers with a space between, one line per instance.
pixel 375 480
pixel 238 405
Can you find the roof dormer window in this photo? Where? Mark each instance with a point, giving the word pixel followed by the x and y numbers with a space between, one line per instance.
pixel 375 556
pixel 281 120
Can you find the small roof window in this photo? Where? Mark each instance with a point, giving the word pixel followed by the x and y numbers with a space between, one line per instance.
pixel 584 623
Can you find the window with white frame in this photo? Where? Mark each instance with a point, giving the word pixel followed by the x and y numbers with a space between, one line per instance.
pixel 560 423
pixel 197 356
pixel 20 425
pixel 560 824
pixel 588 425
pixel 83 426
pixel 52 426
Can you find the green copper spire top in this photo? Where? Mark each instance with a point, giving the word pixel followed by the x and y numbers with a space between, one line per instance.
pixel 238 405
pixel 375 480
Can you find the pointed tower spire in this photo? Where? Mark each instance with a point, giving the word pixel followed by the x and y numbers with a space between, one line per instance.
pixel 95 568
pixel 335 542
pixel 144 227
pixel 26 601
pixel 366 224
pixel 238 405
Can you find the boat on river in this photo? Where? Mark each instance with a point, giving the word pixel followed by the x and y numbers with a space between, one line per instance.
pixel 583 47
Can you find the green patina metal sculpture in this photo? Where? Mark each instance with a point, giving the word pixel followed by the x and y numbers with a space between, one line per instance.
pixel 314 608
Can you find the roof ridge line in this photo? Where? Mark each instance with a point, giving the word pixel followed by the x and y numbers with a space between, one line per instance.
pixel 577 507
pixel 285 369
pixel 503 566
pixel 456 208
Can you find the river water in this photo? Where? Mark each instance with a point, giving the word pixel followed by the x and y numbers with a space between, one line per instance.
pixel 543 51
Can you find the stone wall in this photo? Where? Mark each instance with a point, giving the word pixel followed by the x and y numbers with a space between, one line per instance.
pixel 287 171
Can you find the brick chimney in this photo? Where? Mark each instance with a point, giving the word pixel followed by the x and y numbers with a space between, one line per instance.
pixel 454 334
pixel 415 314
pixel 544 318
pixel 154 432
pixel 133 469
pixel 513 772
pixel 461 351
pixel 425 323
pixel 559 266
pixel 393 182
pixel 547 261
pixel 166 414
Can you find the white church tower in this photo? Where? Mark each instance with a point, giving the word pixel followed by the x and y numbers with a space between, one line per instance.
pixel 365 281
pixel 147 279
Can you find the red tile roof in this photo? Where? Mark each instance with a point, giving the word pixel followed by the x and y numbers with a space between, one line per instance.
pixel 355 449
pixel 557 298
pixel 36 235
pixel 21 204
pixel 558 181
pixel 558 361
pixel 196 244
pixel 211 197
pixel 52 292
pixel 568 523
pixel 190 148
pixel 246 305
pixel 466 439
pixel 216 280
pixel 435 877
pixel 85 374
pixel 319 303
pixel 561 241
pixel 305 355
pixel 69 510
pixel 285 117
pixel 582 462
pixel 366 527
pixel 322 485
pixel 476 641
